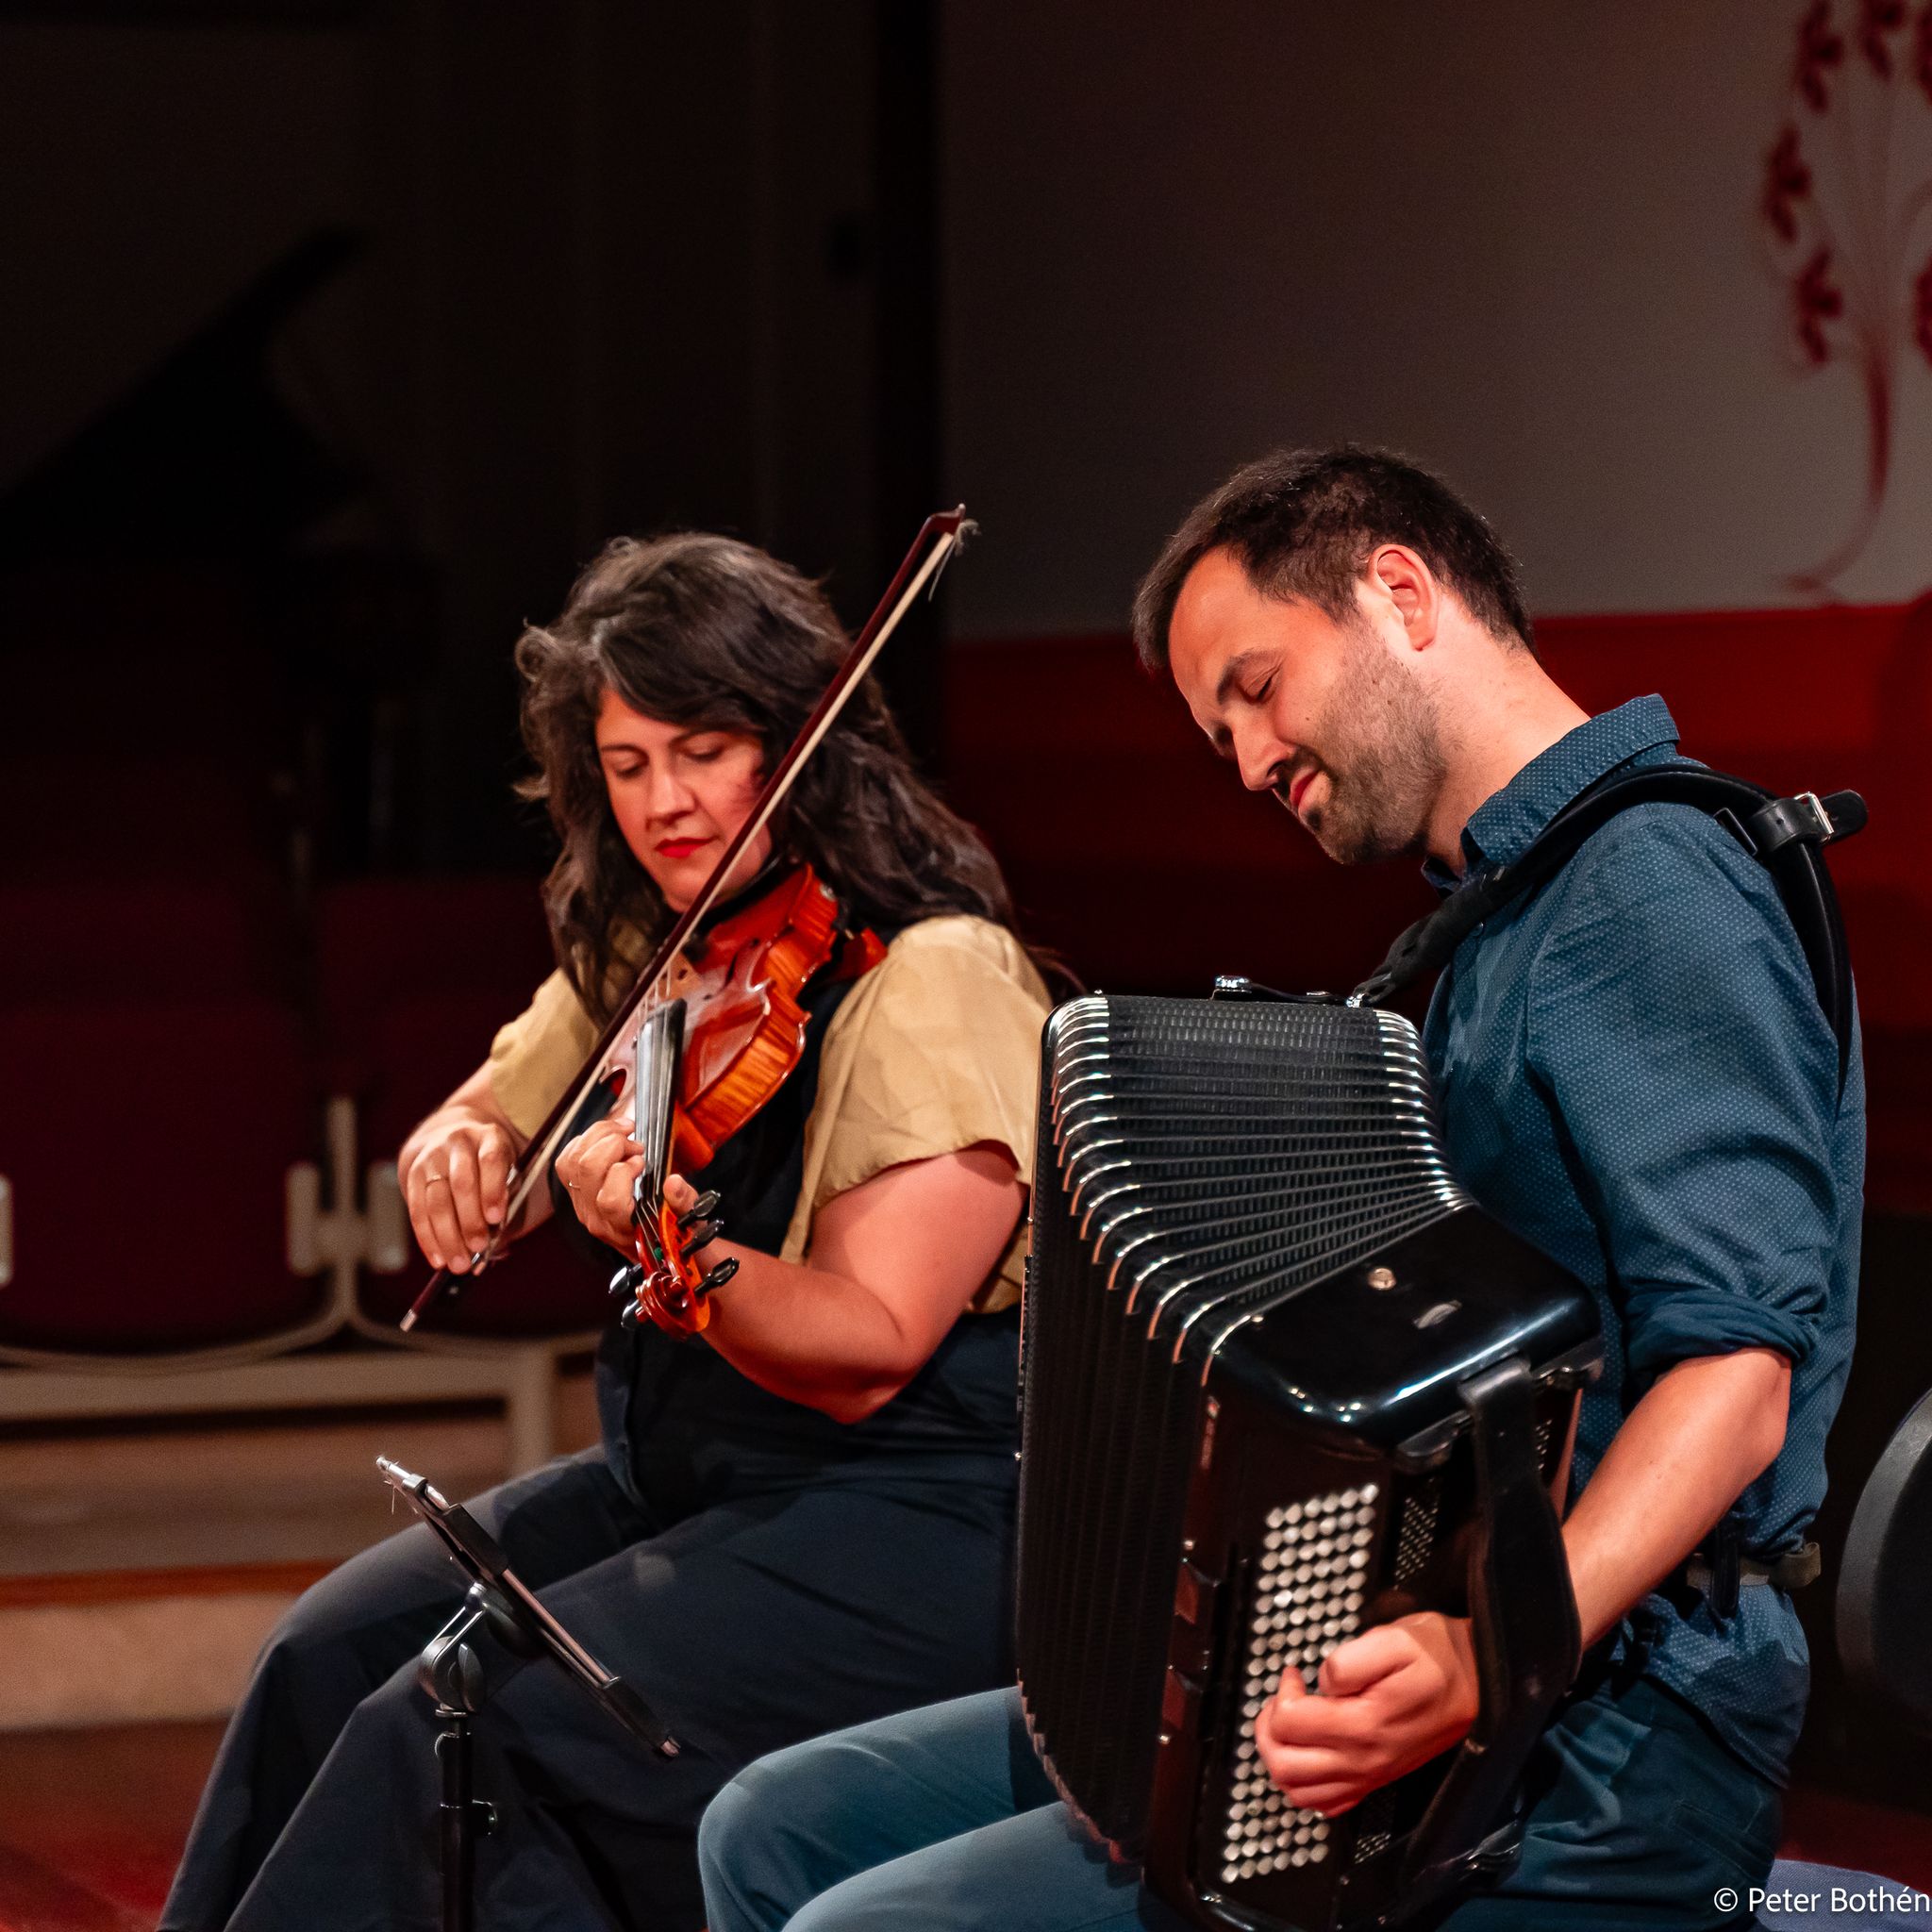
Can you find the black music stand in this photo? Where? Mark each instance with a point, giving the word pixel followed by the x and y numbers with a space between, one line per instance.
pixel 453 1674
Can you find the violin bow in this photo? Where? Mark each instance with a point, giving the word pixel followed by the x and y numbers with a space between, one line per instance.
pixel 938 537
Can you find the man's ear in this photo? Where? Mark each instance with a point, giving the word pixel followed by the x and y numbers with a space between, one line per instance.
pixel 1398 579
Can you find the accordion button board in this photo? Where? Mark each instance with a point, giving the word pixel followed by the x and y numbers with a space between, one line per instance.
pixel 1257 1303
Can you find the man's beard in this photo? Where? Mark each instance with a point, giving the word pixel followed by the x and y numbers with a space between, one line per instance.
pixel 1382 750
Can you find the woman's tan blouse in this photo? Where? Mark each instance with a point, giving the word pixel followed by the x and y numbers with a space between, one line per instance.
pixel 937 1048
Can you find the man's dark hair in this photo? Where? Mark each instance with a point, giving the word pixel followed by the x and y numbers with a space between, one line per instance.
pixel 1302 523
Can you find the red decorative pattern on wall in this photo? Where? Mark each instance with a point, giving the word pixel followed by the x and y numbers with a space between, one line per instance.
pixel 1843 203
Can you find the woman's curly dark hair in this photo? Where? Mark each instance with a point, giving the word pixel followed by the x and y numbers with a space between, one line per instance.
pixel 711 634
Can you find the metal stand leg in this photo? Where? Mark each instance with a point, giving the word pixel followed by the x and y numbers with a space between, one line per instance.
pixel 452 1672
pixel 458 1848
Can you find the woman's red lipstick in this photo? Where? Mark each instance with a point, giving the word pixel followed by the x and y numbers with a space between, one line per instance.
pixel 678 848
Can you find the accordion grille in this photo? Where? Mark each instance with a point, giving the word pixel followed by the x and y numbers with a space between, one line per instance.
pixel 1199 1165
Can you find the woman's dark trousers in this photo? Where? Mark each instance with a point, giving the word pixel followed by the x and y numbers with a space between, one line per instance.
pixel 798 1603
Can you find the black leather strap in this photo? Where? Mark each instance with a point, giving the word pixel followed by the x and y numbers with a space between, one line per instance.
pixel 1785 835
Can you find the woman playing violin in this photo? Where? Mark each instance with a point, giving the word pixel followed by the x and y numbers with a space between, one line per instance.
pixel 799 1520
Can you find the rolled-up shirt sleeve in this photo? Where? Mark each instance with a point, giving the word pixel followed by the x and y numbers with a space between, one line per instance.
pixel 533 1058
pixel 936 1049
pixel 1696 1080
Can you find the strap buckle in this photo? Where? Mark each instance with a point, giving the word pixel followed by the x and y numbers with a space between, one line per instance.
pixel 1722 1571
pixel 1782 822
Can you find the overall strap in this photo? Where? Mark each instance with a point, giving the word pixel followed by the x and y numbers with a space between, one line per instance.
pixel 1786 836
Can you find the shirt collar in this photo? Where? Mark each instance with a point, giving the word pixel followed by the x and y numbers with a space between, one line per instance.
pixel 1506 825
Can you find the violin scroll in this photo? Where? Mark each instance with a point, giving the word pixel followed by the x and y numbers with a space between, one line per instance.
pixel 664 1285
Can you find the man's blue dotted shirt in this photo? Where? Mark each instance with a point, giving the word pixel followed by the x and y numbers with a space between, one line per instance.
pixel 1635 1074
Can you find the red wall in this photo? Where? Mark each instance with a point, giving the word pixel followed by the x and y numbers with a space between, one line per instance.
pixel 1133 851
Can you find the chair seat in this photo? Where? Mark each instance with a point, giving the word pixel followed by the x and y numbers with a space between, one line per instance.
pixel 1802 1896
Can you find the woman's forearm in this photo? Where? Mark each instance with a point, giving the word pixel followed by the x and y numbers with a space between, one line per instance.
pixel 894 1263
pixel 810 1335
pixel 473 1104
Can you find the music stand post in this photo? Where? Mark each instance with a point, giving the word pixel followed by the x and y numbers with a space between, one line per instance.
pixel 452 1671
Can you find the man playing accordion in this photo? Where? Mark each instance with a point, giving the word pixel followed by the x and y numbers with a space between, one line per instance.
pixel 1636 1076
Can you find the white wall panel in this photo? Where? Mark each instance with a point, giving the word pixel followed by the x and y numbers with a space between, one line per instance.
pixel 1519 241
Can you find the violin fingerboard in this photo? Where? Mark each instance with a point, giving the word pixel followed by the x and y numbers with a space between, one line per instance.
pixel 660 1048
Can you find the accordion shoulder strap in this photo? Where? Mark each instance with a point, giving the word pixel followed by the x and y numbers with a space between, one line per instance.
pixel 1785 835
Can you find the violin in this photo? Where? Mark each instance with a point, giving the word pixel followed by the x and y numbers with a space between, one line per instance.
pixel 708 1061
pixel 744 1027
pixel 739 1040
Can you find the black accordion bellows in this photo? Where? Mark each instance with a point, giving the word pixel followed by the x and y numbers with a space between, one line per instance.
pixel 1280 1379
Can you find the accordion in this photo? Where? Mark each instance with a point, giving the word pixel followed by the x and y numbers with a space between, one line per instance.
pixel 1281 1380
